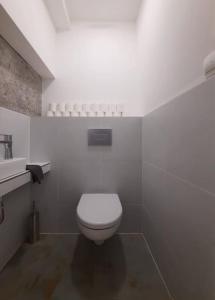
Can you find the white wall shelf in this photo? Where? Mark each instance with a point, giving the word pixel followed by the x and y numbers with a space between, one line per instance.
pixel 12 183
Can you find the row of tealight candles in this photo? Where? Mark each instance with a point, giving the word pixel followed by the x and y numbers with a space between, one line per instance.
pixel 84 110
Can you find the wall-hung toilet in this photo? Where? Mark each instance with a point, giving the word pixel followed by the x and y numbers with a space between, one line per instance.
pixel 99 216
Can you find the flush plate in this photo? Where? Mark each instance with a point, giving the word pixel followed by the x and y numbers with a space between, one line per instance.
pixel 99 137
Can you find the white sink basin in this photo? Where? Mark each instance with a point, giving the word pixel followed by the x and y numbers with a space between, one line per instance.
pixel 12 167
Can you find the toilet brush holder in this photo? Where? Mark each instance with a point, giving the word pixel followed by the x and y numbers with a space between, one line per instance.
pixel 34 226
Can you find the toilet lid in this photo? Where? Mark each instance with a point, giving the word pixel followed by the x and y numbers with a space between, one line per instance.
pixel 99 211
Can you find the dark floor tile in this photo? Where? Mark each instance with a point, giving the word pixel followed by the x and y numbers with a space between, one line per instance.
pixel 72 267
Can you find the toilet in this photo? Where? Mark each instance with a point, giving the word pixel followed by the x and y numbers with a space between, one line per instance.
pixel 99 216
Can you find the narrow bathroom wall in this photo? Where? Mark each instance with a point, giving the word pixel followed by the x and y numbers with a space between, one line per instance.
pixel 77 169
pixel 179 191
pixel 20 96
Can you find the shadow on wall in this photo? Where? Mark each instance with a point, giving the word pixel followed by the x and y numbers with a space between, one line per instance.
pixel 98 272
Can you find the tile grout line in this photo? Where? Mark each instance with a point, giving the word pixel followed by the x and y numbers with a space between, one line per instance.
pixel 194 84
pixel 129 233
pixel 170 174
pixel 59 233
pixel 78 233
pixel 157 267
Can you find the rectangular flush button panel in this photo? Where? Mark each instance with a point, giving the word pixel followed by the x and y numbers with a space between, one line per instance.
pixel 99 137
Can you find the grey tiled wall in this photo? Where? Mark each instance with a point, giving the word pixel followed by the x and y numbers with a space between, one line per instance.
pixel 77 168
pixel 20 85
pixel 179 191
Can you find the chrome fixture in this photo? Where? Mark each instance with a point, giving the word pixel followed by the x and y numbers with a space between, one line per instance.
pixel 6 142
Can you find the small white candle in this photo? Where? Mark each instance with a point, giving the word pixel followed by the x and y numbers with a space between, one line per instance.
pixel 66 114
pixel 69 106
pixel 102 109
pixel 78 108
pixel 53 107
pixel 86 109
pixel 58 114
pixel 94 109
pixel 113 109
pixel 62 107
pixel 50 113
pixel 120 109
pixel 108 110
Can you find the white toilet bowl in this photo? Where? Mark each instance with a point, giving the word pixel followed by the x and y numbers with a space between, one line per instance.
pixel 99 216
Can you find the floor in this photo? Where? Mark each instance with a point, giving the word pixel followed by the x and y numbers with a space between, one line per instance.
pixel 71 267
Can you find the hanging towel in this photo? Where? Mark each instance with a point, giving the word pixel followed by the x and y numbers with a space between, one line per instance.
pixel 36 172
pixel 209 65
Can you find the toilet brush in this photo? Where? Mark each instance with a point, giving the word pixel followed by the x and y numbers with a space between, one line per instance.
pixel 34 230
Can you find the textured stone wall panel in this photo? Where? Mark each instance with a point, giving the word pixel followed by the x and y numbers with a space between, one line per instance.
pixel 20 85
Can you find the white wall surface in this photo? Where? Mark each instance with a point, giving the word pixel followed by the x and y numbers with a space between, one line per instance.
pixel 32 19
pixel 173 39
pixel 103 10
pixel 18 125
pixel 59 14
pixel 97 62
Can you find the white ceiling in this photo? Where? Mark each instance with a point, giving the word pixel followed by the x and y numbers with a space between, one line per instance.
pixel 103 10
pixel 63 12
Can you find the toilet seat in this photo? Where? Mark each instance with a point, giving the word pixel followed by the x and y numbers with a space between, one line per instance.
pixel 99 211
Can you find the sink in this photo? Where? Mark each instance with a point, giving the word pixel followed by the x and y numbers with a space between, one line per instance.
pixel 12 167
